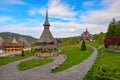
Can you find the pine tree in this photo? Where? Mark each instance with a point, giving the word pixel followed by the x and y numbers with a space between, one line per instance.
pixel 83 46
pixel 22 54
pixel 113 29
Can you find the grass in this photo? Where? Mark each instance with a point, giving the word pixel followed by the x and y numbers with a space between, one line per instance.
pixel 24 65
pixel 95 43
pixel 106 67
pixel 6 60
pixel 74 56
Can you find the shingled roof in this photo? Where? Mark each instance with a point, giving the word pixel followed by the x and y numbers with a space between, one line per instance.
pixel 46 34
pixel 47 37
pixel 23 41
pixel 12 43
pixel 86 35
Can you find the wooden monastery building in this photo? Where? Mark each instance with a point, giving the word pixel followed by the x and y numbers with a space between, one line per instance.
pixel 86 36
pixel 24 42
pixel 47 45
pixel 14 45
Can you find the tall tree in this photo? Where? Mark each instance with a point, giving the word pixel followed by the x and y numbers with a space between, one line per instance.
pixel 112 28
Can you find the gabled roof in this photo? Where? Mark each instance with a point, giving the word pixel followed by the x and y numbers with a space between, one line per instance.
pixel 23 41
pixel 14 41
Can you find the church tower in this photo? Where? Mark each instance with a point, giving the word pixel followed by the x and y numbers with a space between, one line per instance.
pixel 47 45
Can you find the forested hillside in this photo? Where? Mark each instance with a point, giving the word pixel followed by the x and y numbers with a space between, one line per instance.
pixel 7 36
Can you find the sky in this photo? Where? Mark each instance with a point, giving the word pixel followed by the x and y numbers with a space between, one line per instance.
pixel 66 17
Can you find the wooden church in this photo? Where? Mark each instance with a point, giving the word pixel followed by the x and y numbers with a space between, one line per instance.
pixel 47 45
pixel 86 36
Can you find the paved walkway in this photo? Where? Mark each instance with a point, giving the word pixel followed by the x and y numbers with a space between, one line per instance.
pixel 10 72
pixel 79 71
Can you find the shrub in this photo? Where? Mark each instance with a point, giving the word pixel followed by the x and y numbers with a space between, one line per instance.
pixel 83 46
pixel 22 54
pixel 106 73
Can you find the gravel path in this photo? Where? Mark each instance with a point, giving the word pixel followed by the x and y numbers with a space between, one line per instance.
pixel 10 72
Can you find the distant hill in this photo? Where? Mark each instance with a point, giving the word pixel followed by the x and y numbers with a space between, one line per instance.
pixel 7 36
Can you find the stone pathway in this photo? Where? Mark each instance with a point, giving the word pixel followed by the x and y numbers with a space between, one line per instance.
pixel 10 72
pixel 77 72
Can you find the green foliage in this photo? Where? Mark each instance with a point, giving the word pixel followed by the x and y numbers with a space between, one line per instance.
pixel 34 43
pixel 32 51
pixel 5 60
pixel 7 36
pixel 74 56
pixel 22 54
pixel 83 46
pixel 65 41
pixel 70 40
pixel 106 73
pixel 112 35
pixel 113 29
pixel 106 67
pixel 24 65
pixel 74 40
pixel 99 40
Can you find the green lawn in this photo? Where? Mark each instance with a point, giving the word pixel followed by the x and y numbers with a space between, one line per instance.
pixel 106 67
pixel 95 43
pixel 24 65
pixel 74 56
pixel 5 60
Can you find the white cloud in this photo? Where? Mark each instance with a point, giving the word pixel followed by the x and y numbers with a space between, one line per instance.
pixel 96 20
pixel 58 9
pixel 4 19
pixel 66 29
pixel 58 29
pixel 104 15
pixel 22 29
pixel 33 12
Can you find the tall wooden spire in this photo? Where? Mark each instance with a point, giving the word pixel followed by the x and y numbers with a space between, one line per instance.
pixel 46 23
pixel 46 43
pixel 46 34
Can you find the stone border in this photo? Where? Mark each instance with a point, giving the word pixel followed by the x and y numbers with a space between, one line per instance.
pixel 113 50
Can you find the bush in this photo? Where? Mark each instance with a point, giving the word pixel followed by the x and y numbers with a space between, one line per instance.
pixel 83 46
pixel 106 73
pixel 22 54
